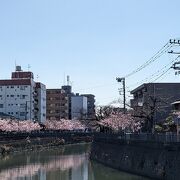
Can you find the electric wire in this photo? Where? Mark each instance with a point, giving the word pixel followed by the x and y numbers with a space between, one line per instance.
pixel 164 72
pixel 154 75
pixel 163 50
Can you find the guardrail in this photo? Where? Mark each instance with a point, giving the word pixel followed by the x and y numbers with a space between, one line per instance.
pixel 165 138
pixel 146 137
pixel 40 134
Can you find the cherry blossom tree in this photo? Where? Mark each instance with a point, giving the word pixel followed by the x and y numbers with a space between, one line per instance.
pixel 9 125
pixel 63 124
pixel 118 121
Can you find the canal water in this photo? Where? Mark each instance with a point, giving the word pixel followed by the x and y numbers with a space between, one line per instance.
pixel 66 163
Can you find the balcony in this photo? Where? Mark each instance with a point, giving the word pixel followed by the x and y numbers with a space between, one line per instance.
pixel 137 102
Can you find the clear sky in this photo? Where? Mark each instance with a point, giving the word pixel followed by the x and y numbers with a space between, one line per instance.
pixel 93 41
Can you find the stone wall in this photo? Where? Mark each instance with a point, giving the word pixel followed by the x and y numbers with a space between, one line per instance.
pixel 33 143
pixel 150 159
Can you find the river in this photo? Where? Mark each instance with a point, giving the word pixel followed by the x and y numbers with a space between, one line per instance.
pixel 65 163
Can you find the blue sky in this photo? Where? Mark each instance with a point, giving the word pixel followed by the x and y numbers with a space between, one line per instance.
pixel 93 41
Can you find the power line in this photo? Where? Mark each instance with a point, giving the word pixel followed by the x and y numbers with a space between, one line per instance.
pixel 165 76
pixel 164 72
pixel 163 50
pixel 96 86
pixel 154 75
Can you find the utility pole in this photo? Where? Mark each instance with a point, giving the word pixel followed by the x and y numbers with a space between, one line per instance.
pixel 122 80
pixel 176 65
pixel 174 41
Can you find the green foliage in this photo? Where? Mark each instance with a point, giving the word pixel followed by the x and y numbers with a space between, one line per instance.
pixel 167 126
pixel 158 128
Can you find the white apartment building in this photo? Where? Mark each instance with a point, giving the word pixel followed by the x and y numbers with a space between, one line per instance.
pixel 78 107
pixel 22 97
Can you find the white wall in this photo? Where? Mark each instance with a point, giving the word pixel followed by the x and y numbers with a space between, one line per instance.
pixel 15 100
pixel 42 103
pixel 78 106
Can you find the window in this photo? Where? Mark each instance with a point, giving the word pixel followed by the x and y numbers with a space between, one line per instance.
pixel 22 113
pixel 12 95
pixel 1 105
pixel 22 88
pixel 12 86
pixel 22 105
pixel 7 95
pixel 23 96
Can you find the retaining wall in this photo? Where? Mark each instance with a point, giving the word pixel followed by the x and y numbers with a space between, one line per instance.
pixel 156 160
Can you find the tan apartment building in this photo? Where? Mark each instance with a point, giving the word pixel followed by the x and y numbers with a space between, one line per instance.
pixel 57 104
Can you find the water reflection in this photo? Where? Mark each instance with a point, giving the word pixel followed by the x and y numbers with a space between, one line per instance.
pixel 71 163
pixel 62 163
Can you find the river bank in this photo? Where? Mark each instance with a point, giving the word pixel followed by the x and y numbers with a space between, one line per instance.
pixel 67 162
pixel 156 160
pixel 29 143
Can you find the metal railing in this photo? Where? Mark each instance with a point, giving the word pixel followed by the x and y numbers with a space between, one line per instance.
pixel 141 137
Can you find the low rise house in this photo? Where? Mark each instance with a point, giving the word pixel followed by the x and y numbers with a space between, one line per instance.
pixel 155 99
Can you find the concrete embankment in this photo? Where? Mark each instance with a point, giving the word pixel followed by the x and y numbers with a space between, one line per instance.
pixel 26 142
pixel 151 159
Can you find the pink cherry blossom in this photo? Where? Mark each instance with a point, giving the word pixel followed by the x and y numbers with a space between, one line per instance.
pixel 64 125
pixel 9 125
pixel 118 121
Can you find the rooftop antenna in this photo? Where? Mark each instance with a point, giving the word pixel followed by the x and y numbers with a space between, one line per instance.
pixel 64 78
pixel 29 67
pixel 68 80
pixel 15 63
pixel 37 77
pixel 71 83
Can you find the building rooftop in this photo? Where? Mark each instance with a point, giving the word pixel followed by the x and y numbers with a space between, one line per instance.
pixel 147 84
pixel 15 82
